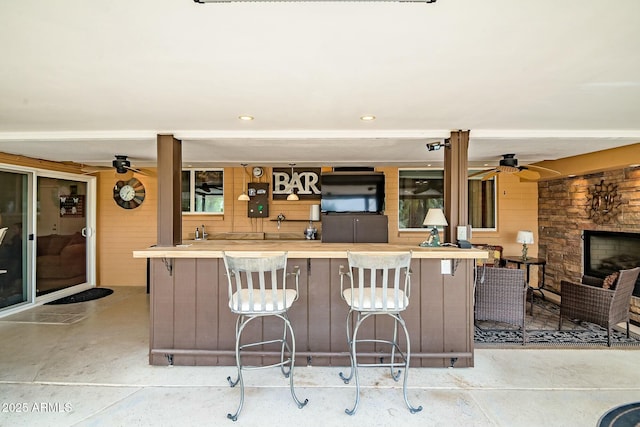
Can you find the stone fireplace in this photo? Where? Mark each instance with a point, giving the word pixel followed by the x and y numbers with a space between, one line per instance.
pixel 607 251
pixel 565 216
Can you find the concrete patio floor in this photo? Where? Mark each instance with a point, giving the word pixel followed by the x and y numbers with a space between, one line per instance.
pixel 86 364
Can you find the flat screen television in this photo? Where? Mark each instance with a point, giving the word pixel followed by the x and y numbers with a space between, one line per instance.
pixel 352 192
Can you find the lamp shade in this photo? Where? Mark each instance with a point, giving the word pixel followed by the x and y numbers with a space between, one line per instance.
pixel 525 236
pixel 435 217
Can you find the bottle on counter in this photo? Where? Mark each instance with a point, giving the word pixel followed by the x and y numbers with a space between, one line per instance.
pixel 197 233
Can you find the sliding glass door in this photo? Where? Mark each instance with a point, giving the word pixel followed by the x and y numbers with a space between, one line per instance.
pixel 61 241
pixel 14 229
pixel 47 247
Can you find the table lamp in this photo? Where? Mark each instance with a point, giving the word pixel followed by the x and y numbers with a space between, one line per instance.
pixel 526 238
pixel 435 217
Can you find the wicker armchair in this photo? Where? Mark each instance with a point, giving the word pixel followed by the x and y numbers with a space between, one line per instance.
pixel 501 295
pixel 604 307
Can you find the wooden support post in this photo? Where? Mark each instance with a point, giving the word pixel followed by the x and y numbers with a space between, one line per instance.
pixel 456 186
pixel 169 190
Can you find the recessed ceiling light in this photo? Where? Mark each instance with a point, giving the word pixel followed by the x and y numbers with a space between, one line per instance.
pixel 367 118
pixel 246 118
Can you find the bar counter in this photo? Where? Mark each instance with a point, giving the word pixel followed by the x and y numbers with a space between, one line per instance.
pixel 191 323
pixel 299 249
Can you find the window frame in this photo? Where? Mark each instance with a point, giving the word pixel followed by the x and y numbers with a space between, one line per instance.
pixel 475 229
pixel 192 191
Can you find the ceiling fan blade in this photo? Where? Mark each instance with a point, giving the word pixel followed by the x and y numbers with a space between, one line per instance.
pixel 490 175
pixel 88 170
pixel 145 172
pixel 528 174
pixel 544 169
pixel 480 173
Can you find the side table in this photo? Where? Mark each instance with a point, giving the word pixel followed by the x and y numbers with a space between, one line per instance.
pixel 519 261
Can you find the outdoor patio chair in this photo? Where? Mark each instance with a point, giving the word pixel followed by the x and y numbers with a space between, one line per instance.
pixel 258 288
pixel 501 296
pixel 604 307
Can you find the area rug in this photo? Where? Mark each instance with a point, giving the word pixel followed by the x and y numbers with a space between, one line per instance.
pixel 623 416
pixel 88 295
pixel 542 331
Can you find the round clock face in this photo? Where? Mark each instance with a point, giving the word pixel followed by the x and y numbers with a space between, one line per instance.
pixel 257 172
pixel 129 194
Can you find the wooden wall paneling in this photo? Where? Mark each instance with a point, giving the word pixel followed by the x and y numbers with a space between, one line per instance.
pixel 272 327
pixel 226 319
pixel 412 316
pixel 185 308
pixel 431 305
pixel 162 315
pixel 319 300
pixel 298 314
pixel 207 309
pixel 458 299
pixel 338 314
pixel 370 328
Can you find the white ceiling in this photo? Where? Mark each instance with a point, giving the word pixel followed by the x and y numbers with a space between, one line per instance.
pixel 545 79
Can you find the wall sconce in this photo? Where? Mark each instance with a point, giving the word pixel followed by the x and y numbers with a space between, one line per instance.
pixel 526 238
pixel 244 197
pixel 435 217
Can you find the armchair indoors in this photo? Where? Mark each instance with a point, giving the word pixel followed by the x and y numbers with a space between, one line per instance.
pixel 501 296
pixel 604 307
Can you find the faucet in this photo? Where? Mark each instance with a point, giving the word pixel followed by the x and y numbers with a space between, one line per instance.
pixel 280 218
pixel 204 233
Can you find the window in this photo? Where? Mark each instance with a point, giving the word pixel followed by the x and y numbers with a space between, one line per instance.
pixel 203 191
pixel 421 189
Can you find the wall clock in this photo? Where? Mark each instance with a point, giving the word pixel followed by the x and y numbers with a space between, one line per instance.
pixel 258 171
pixel 129 194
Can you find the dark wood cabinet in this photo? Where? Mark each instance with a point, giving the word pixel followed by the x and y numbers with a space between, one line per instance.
pixel 355 228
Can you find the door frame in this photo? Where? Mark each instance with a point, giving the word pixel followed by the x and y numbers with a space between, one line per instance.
pixel 91 214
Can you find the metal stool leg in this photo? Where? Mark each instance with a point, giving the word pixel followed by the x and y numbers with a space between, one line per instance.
pixel 354 363
pixel 394 345
pixel 292 361
pixel 284 347
pixel 240 324
pixel 412 409
pixel 344 378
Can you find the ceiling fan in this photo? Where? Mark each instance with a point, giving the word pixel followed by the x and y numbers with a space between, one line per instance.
pixel 509 164
pixel 121 164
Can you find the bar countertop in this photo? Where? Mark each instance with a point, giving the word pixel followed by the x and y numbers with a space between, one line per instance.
pixel 301 249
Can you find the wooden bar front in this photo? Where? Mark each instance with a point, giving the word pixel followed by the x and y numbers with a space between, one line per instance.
pixel 191 323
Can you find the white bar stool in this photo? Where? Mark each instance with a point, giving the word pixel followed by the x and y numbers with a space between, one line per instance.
pixel 380 285
pixel 258 288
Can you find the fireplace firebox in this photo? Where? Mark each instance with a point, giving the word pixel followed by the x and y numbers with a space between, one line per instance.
pixel 609 251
